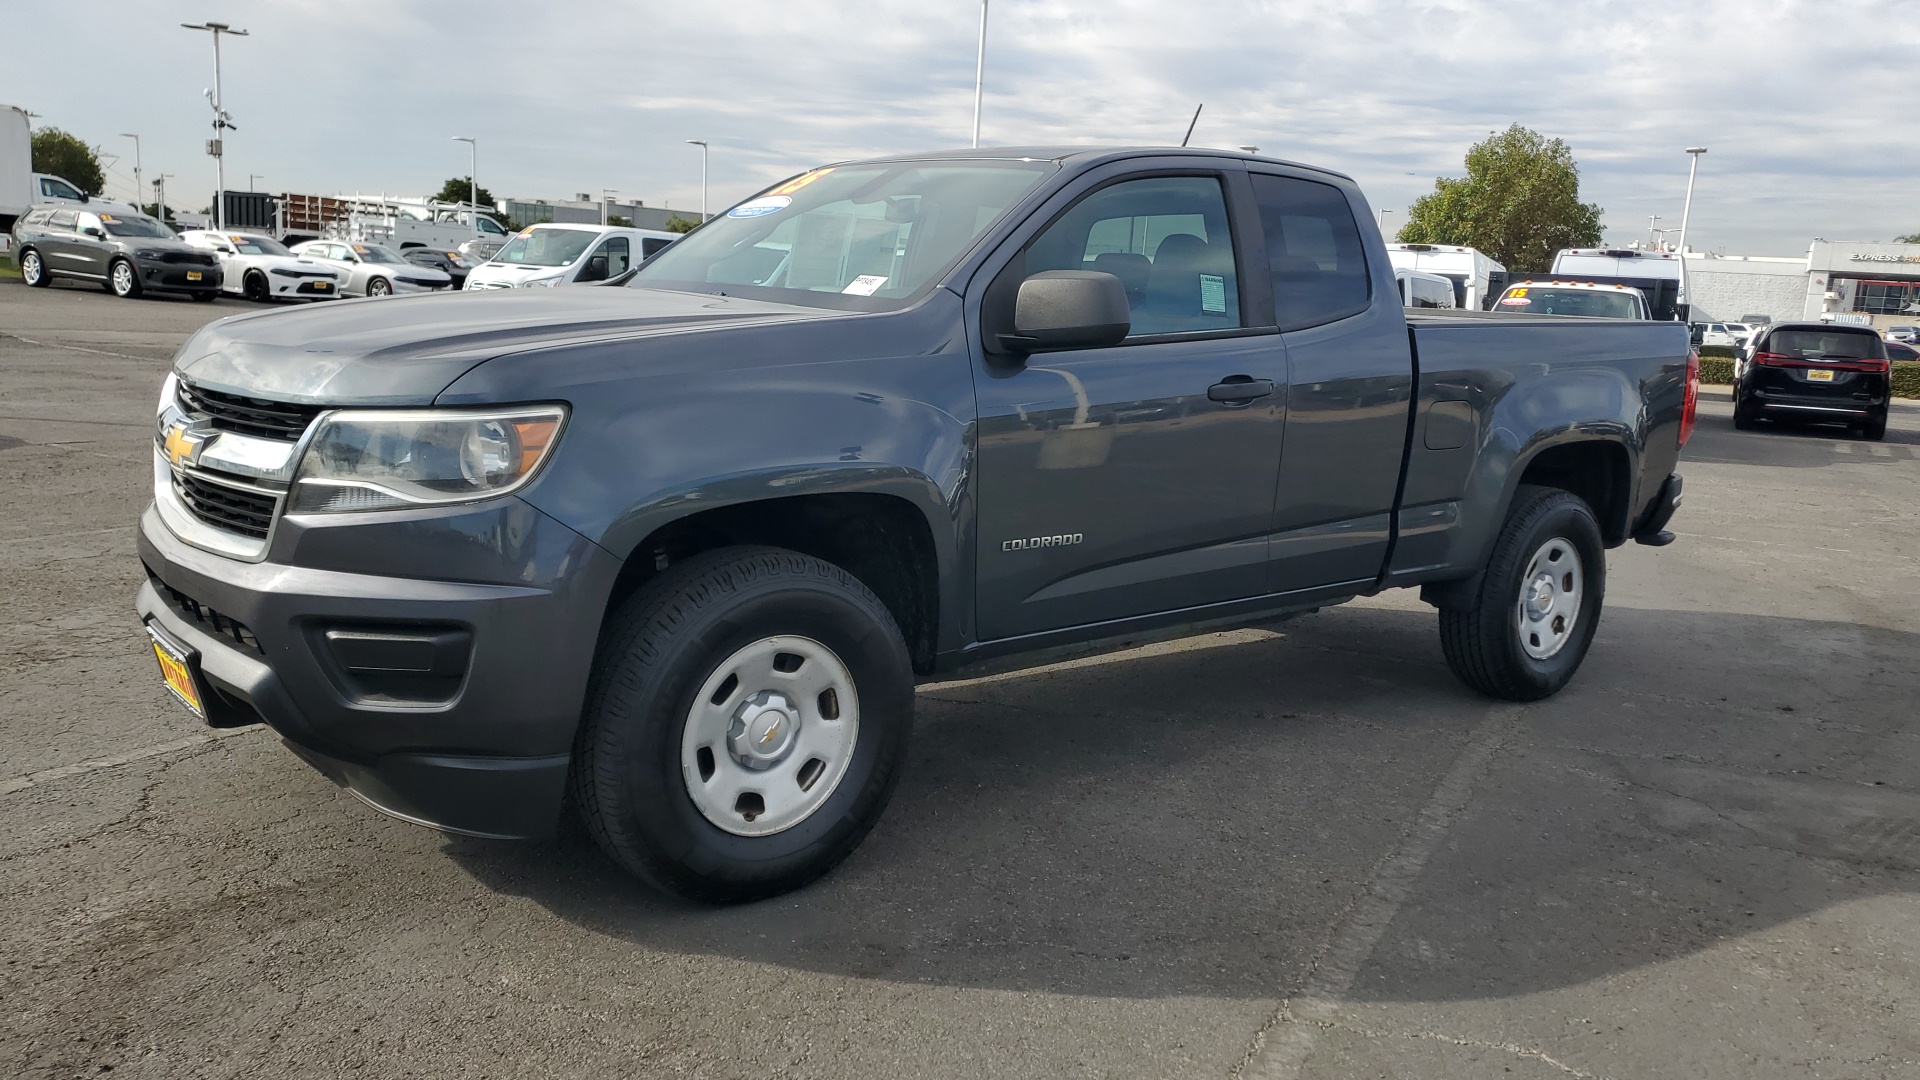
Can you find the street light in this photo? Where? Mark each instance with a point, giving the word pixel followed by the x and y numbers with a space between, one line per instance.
pixel 1686 212
pixel 1381 219
pixel 251 177
pixel 138 186
pixel 606 204
pixel 702 144
pixel 979 74
pixel 221 121
pixel 160 195
pixel 1251 149
pixel 473 181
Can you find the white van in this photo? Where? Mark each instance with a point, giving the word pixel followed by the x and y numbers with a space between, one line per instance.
pixel 561 254
pixel 1617 263
pixel 1419 289
pixel 1475 276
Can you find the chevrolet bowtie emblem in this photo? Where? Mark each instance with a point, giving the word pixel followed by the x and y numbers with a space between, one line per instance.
pixel 772 730
pixel 180 443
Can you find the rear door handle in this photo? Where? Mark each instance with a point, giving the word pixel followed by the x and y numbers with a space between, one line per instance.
pixel 1239 389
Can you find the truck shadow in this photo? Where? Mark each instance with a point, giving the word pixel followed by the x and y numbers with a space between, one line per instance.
pixel 1197 822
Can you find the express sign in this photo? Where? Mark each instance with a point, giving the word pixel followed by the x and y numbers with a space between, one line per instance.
pixel 1858 257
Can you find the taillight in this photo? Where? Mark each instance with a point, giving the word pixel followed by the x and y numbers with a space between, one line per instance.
pixel 1767 359
pixel 1690 404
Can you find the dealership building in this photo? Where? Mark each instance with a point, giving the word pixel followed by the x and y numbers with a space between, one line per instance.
pixel 1865 283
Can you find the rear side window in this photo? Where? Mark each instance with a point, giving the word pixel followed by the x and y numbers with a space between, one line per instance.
pixel 1166 239
pixel 38 217
pixel 1313 245
pixel 63 219
pixel 1825 345
pixel 651 244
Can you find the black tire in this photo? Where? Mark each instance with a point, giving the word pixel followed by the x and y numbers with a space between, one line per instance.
pixel 1483 643
pixel 205 296
pixel 1875 429
pixel 123 279
pixel 379 287
pixel 254 287
pixel 33 269
pixel 658 651
pixel 1743 414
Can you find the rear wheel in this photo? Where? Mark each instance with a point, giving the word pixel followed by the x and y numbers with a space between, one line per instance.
pixel 122 281
pixel 746 722
pixel 254 287
pixel 379 287
pixel 1538 604
pixel 33 271
pixel 1743 413
pixel 1875 427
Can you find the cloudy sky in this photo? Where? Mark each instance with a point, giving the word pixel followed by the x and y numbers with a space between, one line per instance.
pixel 1809 109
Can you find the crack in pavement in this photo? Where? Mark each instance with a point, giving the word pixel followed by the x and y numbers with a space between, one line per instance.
pixel 62 772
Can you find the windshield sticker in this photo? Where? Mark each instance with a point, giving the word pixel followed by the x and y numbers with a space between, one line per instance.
pixel 864 285
pixel 357 247
pixel 1213 294
pixel 109 218
pixel 761 207
pixel 1519 292
pixel 1515 301
pixel 799 182
pixel 238 239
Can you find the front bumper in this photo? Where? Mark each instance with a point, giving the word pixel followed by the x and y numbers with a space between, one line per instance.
pixel 172 277
pixel 505 601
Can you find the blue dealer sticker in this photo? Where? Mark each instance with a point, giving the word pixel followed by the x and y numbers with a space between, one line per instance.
pixel 771 204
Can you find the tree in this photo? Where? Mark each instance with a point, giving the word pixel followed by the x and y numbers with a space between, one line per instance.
pixel 1910 238
pixel 1519 203
pixel 619 221
pixel 679 224
pixel 56 152
pixel 460 189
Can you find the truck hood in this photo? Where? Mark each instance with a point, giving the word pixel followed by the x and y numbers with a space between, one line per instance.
pixel 405 350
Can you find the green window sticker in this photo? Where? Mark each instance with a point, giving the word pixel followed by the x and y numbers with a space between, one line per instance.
pixel 1213 294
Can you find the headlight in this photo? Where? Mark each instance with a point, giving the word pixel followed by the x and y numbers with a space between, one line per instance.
pixel 383 460
pixel 541 282
pixel 168 390
pixel 150 254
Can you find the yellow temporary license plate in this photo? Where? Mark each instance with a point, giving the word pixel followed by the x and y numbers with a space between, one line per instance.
pixel 193 275
pixel 1818 375
pixel 322 286
pixel 177 672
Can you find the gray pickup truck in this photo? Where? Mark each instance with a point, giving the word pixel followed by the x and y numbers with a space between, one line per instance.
pixel 675 551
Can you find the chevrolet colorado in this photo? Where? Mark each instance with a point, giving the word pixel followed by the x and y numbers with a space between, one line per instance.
pixel 676 550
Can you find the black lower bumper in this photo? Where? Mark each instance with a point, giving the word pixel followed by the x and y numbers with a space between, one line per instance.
pixel 475 735
pixel 1652 530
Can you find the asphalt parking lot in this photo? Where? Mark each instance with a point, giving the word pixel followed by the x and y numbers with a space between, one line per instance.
pixel 1304 853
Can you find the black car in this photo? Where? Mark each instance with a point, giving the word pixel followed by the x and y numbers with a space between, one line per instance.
pixel 450 263
pixel 1815 372
pixel 128 254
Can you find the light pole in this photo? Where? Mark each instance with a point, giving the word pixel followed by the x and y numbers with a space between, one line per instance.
pixel 1652 233
pixel 1383 221
pixel 473 181
pixel 221 122
pixel 606 204
pixel 251 177
pixel 1686 212
pixel 702 144
pixel 979 74
pixel 160 196
pixel 139 187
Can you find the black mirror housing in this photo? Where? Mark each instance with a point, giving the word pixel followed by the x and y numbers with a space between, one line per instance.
pixel 1068 309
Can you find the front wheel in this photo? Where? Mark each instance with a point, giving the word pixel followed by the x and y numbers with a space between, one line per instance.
pixel 746 722
pixel 1538 604
pixel 254 287
pixel 122 281
pixel 33 271
pixel 379 287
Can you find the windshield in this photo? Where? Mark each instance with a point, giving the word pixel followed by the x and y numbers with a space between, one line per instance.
pixel 128 225
pixel 1824 345
pixel 545 247
pixel 1593 303
pixel 374 253
pixel 258 245
pixel 860 231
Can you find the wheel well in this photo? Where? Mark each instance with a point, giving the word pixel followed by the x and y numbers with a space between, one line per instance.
pixel 882 540
pixel 1595 471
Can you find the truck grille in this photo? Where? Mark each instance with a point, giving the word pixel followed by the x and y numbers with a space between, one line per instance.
pixel 247 416
pixel 194 258
pixel 225 506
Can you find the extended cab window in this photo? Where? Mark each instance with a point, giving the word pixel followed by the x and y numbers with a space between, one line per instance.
pixel 1166 239
pixel 1319 266
pixel 863 237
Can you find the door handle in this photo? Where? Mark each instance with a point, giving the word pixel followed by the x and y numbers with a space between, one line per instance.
pixel 1239 389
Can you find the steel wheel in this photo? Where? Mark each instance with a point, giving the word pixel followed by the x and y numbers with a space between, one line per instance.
pixel 1549 605
pixel 770 735
pixel 123 280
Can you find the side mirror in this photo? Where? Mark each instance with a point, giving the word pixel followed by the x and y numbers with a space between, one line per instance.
pixel 595 270
pixel 1068 309
pixel 95 232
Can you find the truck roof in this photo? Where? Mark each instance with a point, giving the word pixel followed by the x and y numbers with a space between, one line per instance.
pixel 1088 155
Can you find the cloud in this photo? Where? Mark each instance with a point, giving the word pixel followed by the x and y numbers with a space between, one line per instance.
pixel 1804 105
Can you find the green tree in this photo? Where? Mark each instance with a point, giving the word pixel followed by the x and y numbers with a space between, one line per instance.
pixel 679 224
pixel 1519 203
pixel 56 152
pixel 619 221
pixel 461 189
pixel 1910 238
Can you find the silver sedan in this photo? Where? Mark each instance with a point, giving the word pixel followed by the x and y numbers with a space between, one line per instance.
pixel 373 270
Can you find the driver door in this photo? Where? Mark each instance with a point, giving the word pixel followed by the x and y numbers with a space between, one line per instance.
pixel 1135 479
